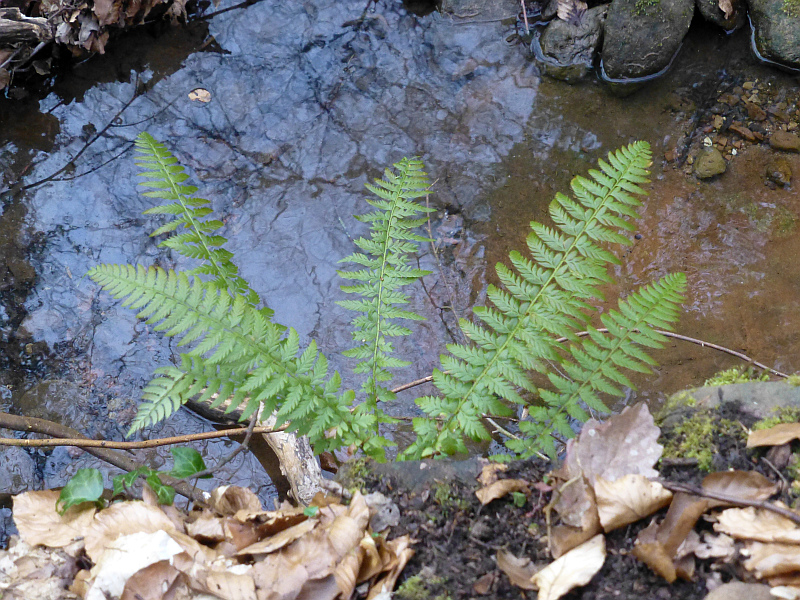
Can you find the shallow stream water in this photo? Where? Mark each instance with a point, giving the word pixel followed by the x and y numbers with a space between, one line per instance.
pixel 308 101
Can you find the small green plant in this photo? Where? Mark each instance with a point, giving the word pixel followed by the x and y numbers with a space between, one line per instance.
pixel 736 375
pixel 234 353
pixel 780 415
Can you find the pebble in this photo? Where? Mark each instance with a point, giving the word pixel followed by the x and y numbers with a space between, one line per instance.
pixel 779 171
pixel 756 113
pixel 783 140
pixel 736 590
pixel 743 132
pixel 709 163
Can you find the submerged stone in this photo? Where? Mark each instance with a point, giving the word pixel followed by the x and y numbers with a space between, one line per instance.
pixel 709 163
pixel 783 140
pixel 567 48
pixel 779 171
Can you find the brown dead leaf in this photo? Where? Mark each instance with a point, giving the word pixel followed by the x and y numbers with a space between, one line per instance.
pixel 120 519
pixel 726 7
pixel 402 551
pixel 230 499
pixel 785 592
pixel 490 473
pixel 38 522
pixel 716 546
pixel 774 436
pixel 575 503
pixel 5 78
pixel 624 444
pixel 768 560
pixel 628 499
pixel 156 582
pixel 743 485
pixel 652 552
pixel 758 525
pixel 207 529
pixel 228 585
pixel 484 584
pixel 500 488
pixel 280 539
pixel 520 571
pixel 574 569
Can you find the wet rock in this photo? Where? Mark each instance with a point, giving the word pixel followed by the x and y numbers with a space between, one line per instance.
pixel 736 590
pixel 484 9
pixel 783 140
pixel 17 470
pixel 566 50
pixel 641 41
pixel 755 112
pixel 729 21
pixel 779 171
pixel 743 131
pixel 709 163
pixel 776 25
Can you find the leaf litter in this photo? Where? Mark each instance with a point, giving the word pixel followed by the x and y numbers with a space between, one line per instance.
pixel 602 525
pixel 231 550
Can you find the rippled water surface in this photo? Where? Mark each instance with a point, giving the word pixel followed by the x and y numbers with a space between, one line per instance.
pixel 309 101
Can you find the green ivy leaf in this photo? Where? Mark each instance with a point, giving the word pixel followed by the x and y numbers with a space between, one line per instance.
pixel 311 511
pixel 85 486
pixel 519 499
pixel 164 493
pixel 126 480
pixel 187 462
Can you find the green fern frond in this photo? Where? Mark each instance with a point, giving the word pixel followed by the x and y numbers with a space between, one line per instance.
pixel 385 270
pixel 168 180
pixel 545 299
pixel 236 351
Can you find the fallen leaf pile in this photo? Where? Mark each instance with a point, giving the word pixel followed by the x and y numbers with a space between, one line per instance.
pixel 230 550
pixel 608 481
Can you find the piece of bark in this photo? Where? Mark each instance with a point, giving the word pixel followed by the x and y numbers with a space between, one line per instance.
pixel 16 28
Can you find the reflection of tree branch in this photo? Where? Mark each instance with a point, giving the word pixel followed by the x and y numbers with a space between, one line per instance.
pixel 736 501
pixel 117 459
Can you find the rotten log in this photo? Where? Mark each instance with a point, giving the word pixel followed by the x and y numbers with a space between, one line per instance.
pixel 16 28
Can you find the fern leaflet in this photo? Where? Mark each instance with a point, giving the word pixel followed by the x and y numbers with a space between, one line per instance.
pixel 385 270
pixel 542 300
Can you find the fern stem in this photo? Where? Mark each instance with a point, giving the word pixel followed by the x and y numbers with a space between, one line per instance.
pixel 500 353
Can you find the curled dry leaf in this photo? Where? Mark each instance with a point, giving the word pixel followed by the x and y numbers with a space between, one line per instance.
pixel 774 436
pixel 726 7
pixel 38 521
pixel 279 540
pixel 520 571
pixel 785 592
pixel 652 552
pixel 490 473
pixel 628 499
pixel 230 499
pixel 155 582
pixel 768 560
pixel 200 95
pixel 120 519
pixel 757 524
pixel 574 569
pixel 576 504
pixel 716 546
pixel 500 488
pixel 400 548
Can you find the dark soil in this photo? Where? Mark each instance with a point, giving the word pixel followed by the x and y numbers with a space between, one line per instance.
pixel 457 538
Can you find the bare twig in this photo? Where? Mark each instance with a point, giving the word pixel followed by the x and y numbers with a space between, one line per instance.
pixel 240 448
pixel 697 491
pixel 118 459
pixel 525 16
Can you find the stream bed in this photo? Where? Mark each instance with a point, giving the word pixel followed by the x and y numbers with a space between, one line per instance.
pixel 308 101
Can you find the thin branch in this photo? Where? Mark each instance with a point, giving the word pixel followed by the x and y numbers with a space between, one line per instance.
pixel 243 446
pixel 31 424
pixel 117 459
pixel 696 491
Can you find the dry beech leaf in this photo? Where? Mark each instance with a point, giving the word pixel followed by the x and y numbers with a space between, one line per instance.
pixel 500 488
pixel 207 528
pixel 490 473
pixel 346 573
pixel 652 552
pixel 401 549
pixel 716 546
pixel 123 518
pixel 624 444
pixel 743 485
pixel 154 582
pixel 774 436
pixel 520 571
pixel 583 512
pixel 574 569
pixel 758 525
pixel 229 586
pixel 628 499
pixel 768 560
pixel 280 539
pixel 785 592
pixel 230 499
pixel 38 522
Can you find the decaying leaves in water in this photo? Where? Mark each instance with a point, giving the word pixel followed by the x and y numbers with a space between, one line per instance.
pixel 774 436
pixel 571 11
pixel 147 552
pixel 574 569
pixel 726 7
